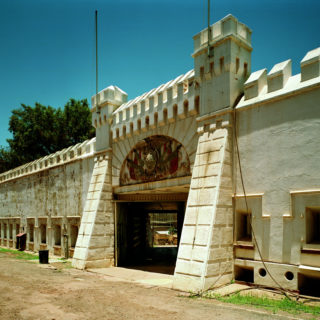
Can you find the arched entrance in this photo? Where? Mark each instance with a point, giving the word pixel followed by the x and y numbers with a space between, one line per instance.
pixel 150 204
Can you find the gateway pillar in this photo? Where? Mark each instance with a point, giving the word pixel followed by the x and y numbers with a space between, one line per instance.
pixel 222 64
pixel 95 243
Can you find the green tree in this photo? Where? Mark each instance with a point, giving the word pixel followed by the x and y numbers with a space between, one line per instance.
pixel 77 122
pixel 40 130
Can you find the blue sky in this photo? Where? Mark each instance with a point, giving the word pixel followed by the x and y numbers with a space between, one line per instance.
pixel 48 49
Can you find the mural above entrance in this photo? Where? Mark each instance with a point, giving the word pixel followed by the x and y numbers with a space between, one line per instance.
pixel 155 158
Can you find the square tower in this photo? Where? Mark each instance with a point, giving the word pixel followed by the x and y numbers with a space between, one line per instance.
pixel 222 64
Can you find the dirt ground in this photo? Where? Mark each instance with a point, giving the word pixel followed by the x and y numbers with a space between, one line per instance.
pixel 32 291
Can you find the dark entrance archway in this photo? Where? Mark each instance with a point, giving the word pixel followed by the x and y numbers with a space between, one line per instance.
pixel 148 235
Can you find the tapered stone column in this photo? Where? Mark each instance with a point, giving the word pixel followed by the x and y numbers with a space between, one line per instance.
pixel 95 242
pixel 205 256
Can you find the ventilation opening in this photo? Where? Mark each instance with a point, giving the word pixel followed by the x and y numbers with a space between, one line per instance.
pixel 175 111
pixel 221 64
pixel 201 72
pixel 43 233
pixel 155 118
pixel 165 115
pixel 243 274
pixel 57 235
pixel 73 235
pixel 131 128
pixel 313 226
pixel 309 285
pixel 245 69
pixel 211 68
pixel 237 64
pixel 197 103
pixel 185 107
pixel 289 275
pixel 262 272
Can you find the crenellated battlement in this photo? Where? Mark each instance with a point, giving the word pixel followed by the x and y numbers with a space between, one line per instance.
pixel 222 64
pixel 112 95
pixel 174 99
pixel 79 151
pixel 279 81
pixel 224 28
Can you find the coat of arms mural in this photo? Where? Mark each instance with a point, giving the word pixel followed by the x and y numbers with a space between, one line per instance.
pixel 155 158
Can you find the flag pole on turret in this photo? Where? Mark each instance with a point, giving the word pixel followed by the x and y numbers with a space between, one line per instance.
pixel 96 31
pixel 209 30
pixel 96 34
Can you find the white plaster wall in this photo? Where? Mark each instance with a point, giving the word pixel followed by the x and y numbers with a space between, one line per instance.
pixel 280 152
pixel 57 191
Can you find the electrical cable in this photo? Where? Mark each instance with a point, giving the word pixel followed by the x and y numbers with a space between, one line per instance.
pixel 284 291
pixel 280 288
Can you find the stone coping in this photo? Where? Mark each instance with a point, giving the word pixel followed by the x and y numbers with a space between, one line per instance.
pixel 81 150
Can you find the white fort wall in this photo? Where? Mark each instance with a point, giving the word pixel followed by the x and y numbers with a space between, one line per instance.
pixel 45 199
pixel 278 129
pixel 274 116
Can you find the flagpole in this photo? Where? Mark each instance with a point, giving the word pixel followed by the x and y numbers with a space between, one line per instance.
pixel 209 29
pixel 96 31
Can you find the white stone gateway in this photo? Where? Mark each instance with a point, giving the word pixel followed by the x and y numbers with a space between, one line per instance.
pixel 162 183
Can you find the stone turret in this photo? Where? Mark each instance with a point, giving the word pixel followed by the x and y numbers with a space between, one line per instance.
pixel 222 65
pixel 103 105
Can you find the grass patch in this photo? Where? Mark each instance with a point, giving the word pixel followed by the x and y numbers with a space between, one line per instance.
pixel 284 304
pixel 18 254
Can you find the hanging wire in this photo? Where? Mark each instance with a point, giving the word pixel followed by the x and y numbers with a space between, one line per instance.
pixel 279 286
pixel 284 291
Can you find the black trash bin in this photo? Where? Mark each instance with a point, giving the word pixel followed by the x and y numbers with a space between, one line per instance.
pixel 44 256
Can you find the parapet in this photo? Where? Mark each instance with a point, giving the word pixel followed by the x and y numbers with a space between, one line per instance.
pixel 310 65
pixel 279 81
pixel 112 95
pixel 224 28
pixel 81 150
pixel 279 75
pixel 254 85
pixel 174 99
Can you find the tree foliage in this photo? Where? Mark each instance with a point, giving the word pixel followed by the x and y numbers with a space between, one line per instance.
pixel 40 130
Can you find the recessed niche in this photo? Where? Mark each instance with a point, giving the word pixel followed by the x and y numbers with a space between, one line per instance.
pixel 244 274
pixel 243 226
pixel 313 225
